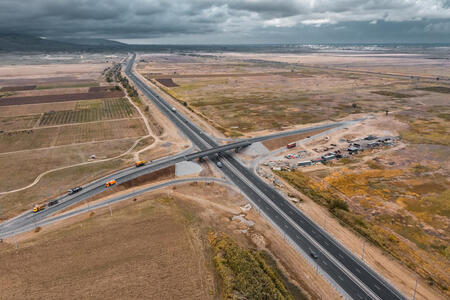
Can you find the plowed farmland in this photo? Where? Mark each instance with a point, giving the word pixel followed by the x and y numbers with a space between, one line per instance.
pixel 17 123
pixel 89 111
pixel 17 88
pixel 100 131
pixel 59 98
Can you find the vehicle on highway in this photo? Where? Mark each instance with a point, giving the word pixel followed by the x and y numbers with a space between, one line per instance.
pixel 313 255
pixel 219 164
pixel 140 163
pixel 53 202
pixel 174 109
pixel 38 207
pixel 74 190
pixel 110 183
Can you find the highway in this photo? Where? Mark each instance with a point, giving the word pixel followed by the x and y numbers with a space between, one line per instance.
pixel 354 277
pixel 351 276
pixel 29 219
pixel 47 219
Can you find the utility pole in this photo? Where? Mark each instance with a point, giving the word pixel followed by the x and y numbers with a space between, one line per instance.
pixel 325 222
pixel 1 214
pixel 110 210
pixel 364 247
pixel 415 290
pixel 15 241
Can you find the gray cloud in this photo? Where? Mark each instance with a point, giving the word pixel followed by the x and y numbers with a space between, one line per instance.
pixel 225 20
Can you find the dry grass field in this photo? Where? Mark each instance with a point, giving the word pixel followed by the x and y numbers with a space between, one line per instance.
pixel 396 199
pixel 180 244
pixel 146 250
pixel 297 95
pixel 25 166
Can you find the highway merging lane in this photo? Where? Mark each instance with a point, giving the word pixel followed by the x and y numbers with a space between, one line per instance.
pixel 356 279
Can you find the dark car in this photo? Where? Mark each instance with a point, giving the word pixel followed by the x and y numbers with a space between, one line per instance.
pixel 53 202
pixel 313 255
pixel 74 190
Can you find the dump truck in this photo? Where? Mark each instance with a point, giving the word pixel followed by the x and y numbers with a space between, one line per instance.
pixel 38 207
pixel 140 163
pixel 291 145
pixel 110 183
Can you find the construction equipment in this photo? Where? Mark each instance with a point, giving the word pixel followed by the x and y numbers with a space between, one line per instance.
pixel 140 163
pixel 38 207
pixel 110 183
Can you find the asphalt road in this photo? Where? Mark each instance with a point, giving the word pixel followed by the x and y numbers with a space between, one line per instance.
pixel 30 219
pixel 355 278
pixel 136 192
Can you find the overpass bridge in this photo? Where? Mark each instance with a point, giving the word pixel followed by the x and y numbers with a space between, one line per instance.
pixel 240 144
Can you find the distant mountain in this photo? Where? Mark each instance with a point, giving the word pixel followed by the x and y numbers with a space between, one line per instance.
pixel 23 42
pixel 92 42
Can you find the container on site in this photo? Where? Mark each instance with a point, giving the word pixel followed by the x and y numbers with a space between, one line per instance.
pixel 110 183
pixel 291 145
pixel 304 163
pixel 140 163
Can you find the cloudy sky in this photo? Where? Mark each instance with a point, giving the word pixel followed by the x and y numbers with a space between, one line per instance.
pixel 232 21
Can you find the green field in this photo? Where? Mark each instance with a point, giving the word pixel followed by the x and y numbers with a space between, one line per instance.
pixel 89 111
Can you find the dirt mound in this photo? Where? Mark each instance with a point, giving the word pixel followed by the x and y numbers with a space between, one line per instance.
pixel 167 82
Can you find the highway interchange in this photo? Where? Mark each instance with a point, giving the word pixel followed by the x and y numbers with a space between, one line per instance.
pixel 352 277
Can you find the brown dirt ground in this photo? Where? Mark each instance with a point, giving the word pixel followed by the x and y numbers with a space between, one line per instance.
pixel 146 250
pixel 167 82
pixel 200 203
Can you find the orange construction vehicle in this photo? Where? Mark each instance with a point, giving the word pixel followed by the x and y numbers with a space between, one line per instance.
pixel 140 163
pixel 38 207
pixel 110 183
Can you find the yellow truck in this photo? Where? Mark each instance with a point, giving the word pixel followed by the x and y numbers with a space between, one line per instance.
pixel 110 183
pixel 38 207
pixel 140 163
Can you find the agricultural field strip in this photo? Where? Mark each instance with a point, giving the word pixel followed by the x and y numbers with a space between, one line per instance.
pixel 397 75
pixel 59 98
pixel 160 76
pixel 71 124
pixel 93 110
pixel 67 145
